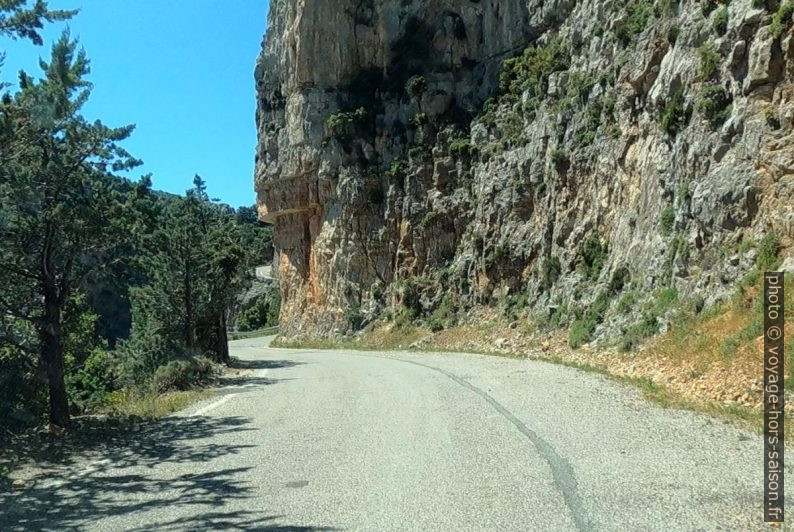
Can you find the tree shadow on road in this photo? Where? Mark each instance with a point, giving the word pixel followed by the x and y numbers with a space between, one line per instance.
pixel 241 520
pixel 237 383
pixel 264 364
pixel 245 376
pixel 144 474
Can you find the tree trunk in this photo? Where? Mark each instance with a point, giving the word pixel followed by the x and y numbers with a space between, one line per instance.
pixel 51 336
pixel 222 339
pixel 190 335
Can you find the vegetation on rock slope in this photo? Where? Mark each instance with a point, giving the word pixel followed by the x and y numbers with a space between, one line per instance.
pixel 583 110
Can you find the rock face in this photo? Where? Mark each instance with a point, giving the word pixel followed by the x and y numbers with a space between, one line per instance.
pixel 633 149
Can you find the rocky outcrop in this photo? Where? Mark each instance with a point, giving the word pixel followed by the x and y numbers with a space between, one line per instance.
pixel 634 149
pixel 263 290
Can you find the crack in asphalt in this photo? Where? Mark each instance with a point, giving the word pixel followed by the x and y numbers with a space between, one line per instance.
pixel 561 470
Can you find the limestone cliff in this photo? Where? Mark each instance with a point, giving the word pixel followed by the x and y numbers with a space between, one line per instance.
pixel 573 159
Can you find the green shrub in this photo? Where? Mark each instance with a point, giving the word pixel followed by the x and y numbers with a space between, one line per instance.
pixel 645 328
pixel 420 119
pixel 339 124
pixel 139 357
pixel 657 306
pixel 606 79
pixel 772 117
pixel 637 15
pixel 416 86
pixel 715 104
pixel 517 302
pixel 88 368
pixel 682 249
pixel 707 6
pixel 397 171
pixel 497 256
pixel 667 220
pixel 608 105
pixel 405 317
pixel 781 20
pixel 23 397
pixel 720 21
pixel 582 329
pixel 620 277
pixel 709 60
pixel 531 70
pixel 768 258
pixel 673 33
pixel 673 116
pixel 559 316
pixel 678 243
pixel 175 375
pixel 418 153
pixel 461 148
pixel 580 332
pixel 579 86
pixel 586 138
pixel 263 313
pixel 435 324
pixel 203 369
pixel 593 253
pixel 443 316
pixel 559 158
pixel 682 191
pixel 428 218
pixel 354 319
pixel 665 7
pixel 627 302
pixel 552 269
pixel 89 384
pixel 181 374
pixel 664 299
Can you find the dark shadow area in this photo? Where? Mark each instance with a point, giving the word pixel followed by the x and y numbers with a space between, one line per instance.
pixel 247 379
pixel 113 437
pixel 137 470
pixel 242 520
pixel 264 364
pixel 244 383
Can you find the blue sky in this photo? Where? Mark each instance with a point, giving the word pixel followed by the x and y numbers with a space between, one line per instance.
pixel 182 71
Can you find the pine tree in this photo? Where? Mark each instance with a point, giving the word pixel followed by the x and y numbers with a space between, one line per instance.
pixel 62 215
pixel 19 21
pixel 196 267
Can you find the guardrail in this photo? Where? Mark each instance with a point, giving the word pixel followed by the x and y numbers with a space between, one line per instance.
pixel 237 335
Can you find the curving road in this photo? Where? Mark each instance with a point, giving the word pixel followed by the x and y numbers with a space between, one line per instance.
pixel 335 440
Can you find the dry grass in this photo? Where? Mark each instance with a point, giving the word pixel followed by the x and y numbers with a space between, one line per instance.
pixel 722 350
pixel 149 406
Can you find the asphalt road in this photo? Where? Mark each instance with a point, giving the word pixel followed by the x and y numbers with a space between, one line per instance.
pixel 334 440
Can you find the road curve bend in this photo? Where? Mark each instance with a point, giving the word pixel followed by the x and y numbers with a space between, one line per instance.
pixel 337 440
